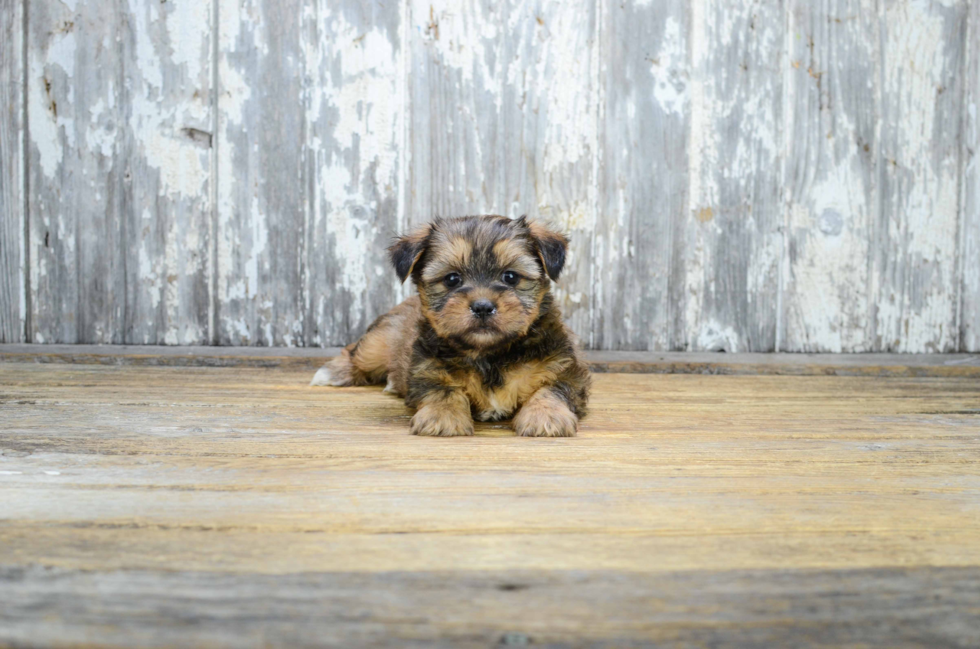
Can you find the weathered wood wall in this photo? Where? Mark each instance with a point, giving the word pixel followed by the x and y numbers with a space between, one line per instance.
pixel 739 176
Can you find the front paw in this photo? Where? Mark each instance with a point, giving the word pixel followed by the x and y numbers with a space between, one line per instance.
pixel 545 415
pixel 441 421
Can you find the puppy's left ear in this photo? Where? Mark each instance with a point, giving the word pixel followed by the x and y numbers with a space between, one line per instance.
pixel 407 249
pixel 551 246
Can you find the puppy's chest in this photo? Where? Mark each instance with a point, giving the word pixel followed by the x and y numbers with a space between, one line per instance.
pixel 496 394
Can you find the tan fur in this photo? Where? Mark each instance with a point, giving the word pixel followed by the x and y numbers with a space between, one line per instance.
pixel 443 415
pixel 454 254
pixel 512 317
pixel 514 255
pixel 384 350
pixel 545 415
pixel 519 384
pixel 455 318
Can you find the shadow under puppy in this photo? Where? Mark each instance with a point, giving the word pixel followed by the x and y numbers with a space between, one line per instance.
pixel 482 339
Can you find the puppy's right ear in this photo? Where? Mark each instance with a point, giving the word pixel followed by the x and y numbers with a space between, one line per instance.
pixel 405 252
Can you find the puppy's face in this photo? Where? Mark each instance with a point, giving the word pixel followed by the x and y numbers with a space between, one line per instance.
pixel 481 279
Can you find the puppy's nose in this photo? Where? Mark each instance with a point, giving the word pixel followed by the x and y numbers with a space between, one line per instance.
pixel 483 308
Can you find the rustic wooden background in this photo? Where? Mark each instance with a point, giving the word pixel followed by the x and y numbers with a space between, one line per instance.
pixel 738 175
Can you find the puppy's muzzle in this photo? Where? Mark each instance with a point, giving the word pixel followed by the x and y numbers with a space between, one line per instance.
pixel 483 308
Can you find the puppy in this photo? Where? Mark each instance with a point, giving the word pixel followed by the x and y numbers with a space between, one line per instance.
pixel 483 339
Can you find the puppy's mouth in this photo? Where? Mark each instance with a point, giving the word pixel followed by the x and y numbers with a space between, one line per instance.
pixel 483 332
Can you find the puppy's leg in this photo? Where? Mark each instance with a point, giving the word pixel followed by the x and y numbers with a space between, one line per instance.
pixel 545 414
pixel 443 413
pixel 368 361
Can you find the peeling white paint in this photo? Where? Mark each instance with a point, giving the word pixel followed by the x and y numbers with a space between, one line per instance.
pixel 669 69
pixel 519 93
pixel 916 314
pixel 716 337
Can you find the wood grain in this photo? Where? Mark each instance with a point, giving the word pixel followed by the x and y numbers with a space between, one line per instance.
pixel 503 121
pixel 831 175
pixel 12 287
pixel 969 228
pixel 263 177
pixel 747 176
pixel 356 113
pixel 740 509
pixel 119 117
pixel 915 240
pixel 643 176
pixel 878 607
pixel 733 240
pixel 308 169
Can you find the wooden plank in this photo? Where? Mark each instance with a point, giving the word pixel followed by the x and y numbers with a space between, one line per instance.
pixel 915 272
pixel 119 112
pixel 831 175
pixel 217 506
pixel 308 169
pixel 969 249
pixel 913 365
pixel 263 179
pixel 13 306
pixel 503 120
pixel 733 232
pixel 355 113
pixel 883 607
pixel 642 183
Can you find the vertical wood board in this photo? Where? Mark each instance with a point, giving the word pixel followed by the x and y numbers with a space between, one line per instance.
pixel 308 176
pixel 262 190
pixel 119 123
pixel 13 307
pixel 642 175
pixel 831 181
pixel 355 112
pixel 915 240
pixel 969 250
pixel 733 240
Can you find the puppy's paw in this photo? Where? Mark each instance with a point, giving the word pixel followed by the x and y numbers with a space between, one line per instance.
pixel 441 421
pixel 337 372
pixel 545 415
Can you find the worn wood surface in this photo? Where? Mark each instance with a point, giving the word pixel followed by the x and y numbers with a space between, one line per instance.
pixel 883 607
pixel 642 198
pixel 308 169
pixel 732 233
pixel 263 183
pixel 916 232
pixel 160 506
pixel 311 359
pixel 12 287
pixel 968 255
pixel 120 144
pixel 738 176
pixel 831 182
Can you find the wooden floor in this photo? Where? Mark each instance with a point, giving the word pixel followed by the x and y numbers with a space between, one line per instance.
pixel 217 506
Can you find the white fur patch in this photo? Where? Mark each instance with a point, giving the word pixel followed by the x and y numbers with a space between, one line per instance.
pixel 323 377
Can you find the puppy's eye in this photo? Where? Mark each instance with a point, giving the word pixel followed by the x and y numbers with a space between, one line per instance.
pixel 510 278
pixel 452 280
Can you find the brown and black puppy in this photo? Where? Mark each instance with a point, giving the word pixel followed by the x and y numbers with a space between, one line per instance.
pixel 482 339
